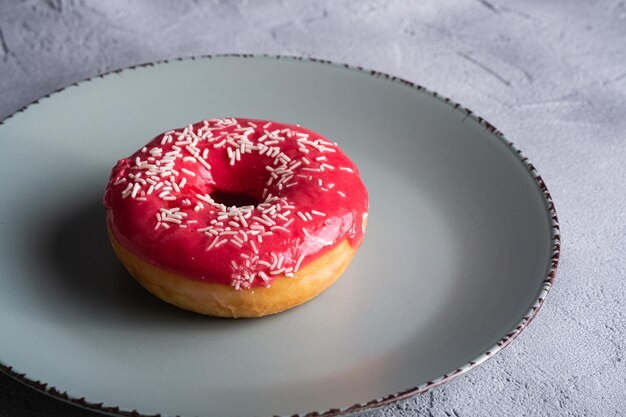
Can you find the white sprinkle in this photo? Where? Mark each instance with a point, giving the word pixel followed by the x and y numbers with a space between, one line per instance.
pixel 120 181
pixel 169 198
pixel 264 276
pixel 253 245
pixel 346 169
pixel 128 188
pixel 272 222
pixel 260 220
pixel 284 229
pixel 297 267
pixel 190 159
pixel 227 233
pixel 306 233
pixel 213 243
pixel 236 243
pixel 167 226
pixel 302 216
pixel 320 158
pixel 341 193
pixel 308 216
pixel 171 220
pixel 206 198
pixel 318 213
pixel 221 242
pixel 188 172
pixel 203 162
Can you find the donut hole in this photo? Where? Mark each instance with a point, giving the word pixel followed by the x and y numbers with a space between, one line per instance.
pixel 240 185
pixel 234 199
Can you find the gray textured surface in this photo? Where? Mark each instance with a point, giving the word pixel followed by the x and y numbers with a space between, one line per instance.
pixel 551 75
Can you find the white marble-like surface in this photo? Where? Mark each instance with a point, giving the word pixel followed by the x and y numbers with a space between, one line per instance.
pixel 550 74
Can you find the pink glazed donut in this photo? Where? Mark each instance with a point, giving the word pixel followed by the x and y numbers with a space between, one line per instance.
pixel 236 217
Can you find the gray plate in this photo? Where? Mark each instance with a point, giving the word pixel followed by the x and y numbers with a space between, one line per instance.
pixel 460 251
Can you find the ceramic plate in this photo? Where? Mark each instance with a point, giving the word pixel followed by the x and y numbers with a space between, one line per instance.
pixel 459 254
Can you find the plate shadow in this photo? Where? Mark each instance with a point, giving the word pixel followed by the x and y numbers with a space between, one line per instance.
pixel 91 278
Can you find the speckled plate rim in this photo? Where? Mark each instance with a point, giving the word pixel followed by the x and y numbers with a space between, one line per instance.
pixel 378 402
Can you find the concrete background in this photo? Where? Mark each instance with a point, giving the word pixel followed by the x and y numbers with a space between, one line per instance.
pixel 550 74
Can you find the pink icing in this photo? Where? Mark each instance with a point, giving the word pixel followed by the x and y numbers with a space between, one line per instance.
pixel 307 197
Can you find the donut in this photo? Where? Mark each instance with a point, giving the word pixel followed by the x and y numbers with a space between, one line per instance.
pixel 235 217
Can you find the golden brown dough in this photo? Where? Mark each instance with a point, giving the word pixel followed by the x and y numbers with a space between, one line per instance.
pixel 223 300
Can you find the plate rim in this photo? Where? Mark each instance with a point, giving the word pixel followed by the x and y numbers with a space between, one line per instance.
pixel 530 314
